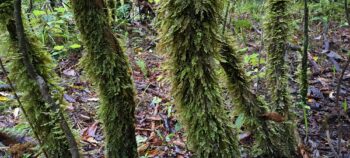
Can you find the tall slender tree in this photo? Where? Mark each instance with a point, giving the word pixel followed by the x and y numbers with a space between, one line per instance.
pixel 108 67
pixel 268 140
pixel 189 36
pixel 45 121
pixel 276 34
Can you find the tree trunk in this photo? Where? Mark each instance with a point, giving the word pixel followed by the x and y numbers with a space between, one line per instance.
pixel 277 34
pixel 112 5
pixel 266 134
pixel 45 122
pixel 189 36
pixel 108 68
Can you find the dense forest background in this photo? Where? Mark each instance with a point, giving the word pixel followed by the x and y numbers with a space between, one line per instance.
pixel 244 78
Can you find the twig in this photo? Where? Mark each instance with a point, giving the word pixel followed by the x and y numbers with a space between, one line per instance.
pixel 43 87
pixel 22 108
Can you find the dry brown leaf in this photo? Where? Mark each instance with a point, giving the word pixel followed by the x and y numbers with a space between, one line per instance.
pixel 90 131
pixel 154 118
pixel 303 151
pixel 142 149
pixel 273 116
pixel 179 143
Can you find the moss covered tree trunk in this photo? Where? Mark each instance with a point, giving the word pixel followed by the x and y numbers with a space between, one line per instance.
pixel 189 36
pixel 269 141
pixel 108 68
pixel 112 4
pixel 44 120
pixel 277 34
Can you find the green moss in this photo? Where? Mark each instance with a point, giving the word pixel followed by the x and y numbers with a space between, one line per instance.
pixel 277 33
pixel 108 68
pixel 6 11
pixel 44 121
pixel 189 36
pixel 112 6
pixel 268 138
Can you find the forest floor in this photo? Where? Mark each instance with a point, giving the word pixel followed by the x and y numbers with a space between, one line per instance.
pixel 159 134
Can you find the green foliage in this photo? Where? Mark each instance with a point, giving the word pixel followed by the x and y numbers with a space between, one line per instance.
pixel 250 7
pixel 109 70
pixel 55 29
pixel 142 65
pixel 6 11
pixel 189 36
pixel 326 9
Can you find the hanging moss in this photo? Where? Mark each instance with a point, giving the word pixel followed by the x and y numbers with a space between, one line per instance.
pixel 189 36
pixel 43 119
pixel 108 68
pixel 277 34
pixel 268 140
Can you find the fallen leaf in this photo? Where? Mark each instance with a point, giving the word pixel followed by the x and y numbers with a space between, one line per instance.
pixel 69 98
pixel 244 135
pixel 154 118
pixel 69 72
pixel 91 140
pixel 16 112
pixel 273 116
pixel 179 143
pixel 3 99
pixel 142 149
pixel 90 131
pixel 303 151
pixel 93 99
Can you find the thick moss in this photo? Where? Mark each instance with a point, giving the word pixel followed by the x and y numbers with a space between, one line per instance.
pixel 266 134
pixel 44 121
pixel 112 5
pixel 108 68
pixel 277 34
pixel 189 36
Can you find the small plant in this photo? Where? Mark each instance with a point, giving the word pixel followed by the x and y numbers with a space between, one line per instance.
pixel 143 67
